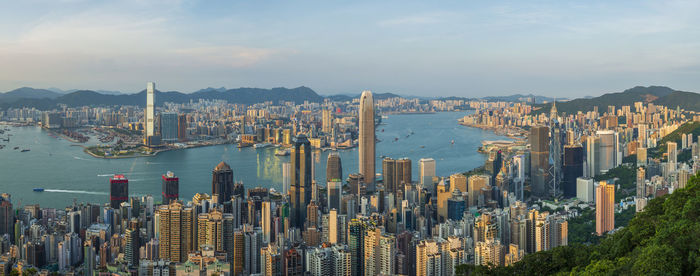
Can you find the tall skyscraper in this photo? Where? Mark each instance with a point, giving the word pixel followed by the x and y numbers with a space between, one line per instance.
pixel 607 149
pixel 334 168
pixel 7 216
pixel 573 168
pixel 334 189
pixel 539 160
pixel 427 171
pixel 604 208
pixel 300 183
pixel 396 174
pixel 266 221
pixel 367 139
pixel 168 126
pixel 150 115
pixel 118 190
pixel 171 187
pixel 222 182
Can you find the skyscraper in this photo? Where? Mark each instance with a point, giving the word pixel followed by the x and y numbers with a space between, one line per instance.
pixel 606 154
pixel 641 183
pixel 171 187
pixel 396 173
pixel 222 182
pixel 427 171
pixel 604 208
pixel 539 160
pixel 334 189
pixel 168 126
pixel 672 156
pixel 300 183
pixel 334 168
pixel 326 121
pixel 366 139
pixel 573 168
pixel 150 115
pixel 118 190
pixel 7 216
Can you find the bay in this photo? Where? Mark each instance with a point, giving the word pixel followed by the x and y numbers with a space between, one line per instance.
pixel 68 174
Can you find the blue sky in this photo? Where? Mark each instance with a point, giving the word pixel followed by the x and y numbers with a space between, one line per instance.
pixel 425 48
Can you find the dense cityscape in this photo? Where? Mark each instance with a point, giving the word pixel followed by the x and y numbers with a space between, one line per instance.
pixel 529 196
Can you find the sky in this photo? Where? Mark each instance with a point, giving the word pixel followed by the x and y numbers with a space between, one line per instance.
pixel 419 48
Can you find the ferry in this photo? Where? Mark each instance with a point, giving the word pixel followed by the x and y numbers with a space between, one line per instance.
pixel 25 150
pixel 38 189
pixel 282 152
pixel 261 145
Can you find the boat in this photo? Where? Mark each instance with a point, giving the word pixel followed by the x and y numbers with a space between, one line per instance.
pixel 38 189
pixel 261 145
pixel 453 142
pixel 282 152
pixel 16 148
pixel 422 146
pixel 25 150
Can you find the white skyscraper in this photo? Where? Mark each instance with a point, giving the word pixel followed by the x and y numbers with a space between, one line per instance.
pixel 150 115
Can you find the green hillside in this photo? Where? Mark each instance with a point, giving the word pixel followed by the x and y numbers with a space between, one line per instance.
pixel 675 136
pixel 664 239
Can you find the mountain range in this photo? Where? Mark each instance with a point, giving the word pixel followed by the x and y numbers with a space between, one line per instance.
pixel 660 95
pixel 49 98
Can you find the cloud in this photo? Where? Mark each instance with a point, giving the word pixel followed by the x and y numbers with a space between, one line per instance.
pixel 421 19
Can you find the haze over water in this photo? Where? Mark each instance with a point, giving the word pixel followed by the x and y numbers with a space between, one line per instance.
pixel 67 173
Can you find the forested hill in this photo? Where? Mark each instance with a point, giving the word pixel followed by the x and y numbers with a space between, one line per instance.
pixel 664 239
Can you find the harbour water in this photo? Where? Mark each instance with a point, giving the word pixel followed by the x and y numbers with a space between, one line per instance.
pixel 67 173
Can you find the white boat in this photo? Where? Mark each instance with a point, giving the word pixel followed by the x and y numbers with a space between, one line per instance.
pixel 261 145
pixel 282 152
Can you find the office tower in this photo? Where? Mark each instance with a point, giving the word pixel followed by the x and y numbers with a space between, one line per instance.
pixel 356 234
pixel 672 156
pixel 427 172
pixel 476 183
pixel 169 126
pixel 641 182
pixel 118 190
pixel 334 168
pixel 573 168
pixel 607 149
pixel 171 187
pixel 150 109
pixel 176 231
pixel 456 206
pixel 326 121
pixel 539 160
pixel 131 250
pixel 458 181
pixel 443 194
pixel 182 127
pixel 335 194
pixel 604 208
pixel 312 215
pixel 592 153
pixel 74 221
pixel 266 221
pixel 222 182
pixel 396 173
pixel 584 189
pixel 300 181
pixel 286 177
pixel 366 139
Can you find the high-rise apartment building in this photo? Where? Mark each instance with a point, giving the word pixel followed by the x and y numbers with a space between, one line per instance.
pixel 176 231
pixel 326 121
pixel 604 208
pixel 367 139
pixel 641 183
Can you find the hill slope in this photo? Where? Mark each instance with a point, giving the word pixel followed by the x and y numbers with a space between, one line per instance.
pixel 655 94
pixel 662 240
pixel 28 93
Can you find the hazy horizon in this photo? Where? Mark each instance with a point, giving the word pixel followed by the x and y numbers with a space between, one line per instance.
pixel 552 48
